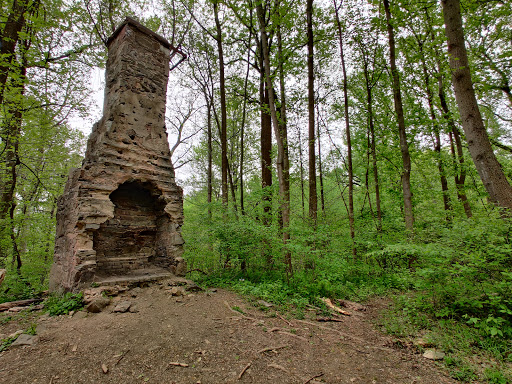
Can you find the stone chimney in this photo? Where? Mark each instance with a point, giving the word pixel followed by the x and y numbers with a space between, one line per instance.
pixel 120 216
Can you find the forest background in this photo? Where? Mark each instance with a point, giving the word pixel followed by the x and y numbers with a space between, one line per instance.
pixel 327 149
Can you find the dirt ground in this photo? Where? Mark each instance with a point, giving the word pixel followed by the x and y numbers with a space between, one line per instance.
pixel 209 337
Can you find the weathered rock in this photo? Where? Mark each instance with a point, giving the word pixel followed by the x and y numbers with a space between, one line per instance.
pixel 433 354
pixel 24 339
pixel 122 307
pixel 133 309
pixel 97 304
pixel 181 267
pixel 122 211
pixel 176 291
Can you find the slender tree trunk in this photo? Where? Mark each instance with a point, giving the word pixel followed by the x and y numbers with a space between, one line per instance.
pixel 348 137
pixel 281 145
pixel 404 146
pixel 488 167
pixel 313 203
pixel 210 156
pixel 302 194
pixel 266 148
pixel 232 188
pixel 242 132
pixel 12 160
pixel 437 137
pixel 283 131
pixel 456 148
pixel 320 171
pixel 373 146
pixel 223 112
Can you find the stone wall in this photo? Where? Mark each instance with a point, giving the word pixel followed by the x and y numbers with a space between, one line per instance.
pixel 122 210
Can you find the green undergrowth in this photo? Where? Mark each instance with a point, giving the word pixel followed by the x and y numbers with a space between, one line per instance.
pixel 57 304
pixel 449 281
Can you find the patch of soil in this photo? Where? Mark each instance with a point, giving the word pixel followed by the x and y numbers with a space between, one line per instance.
pixel 209 338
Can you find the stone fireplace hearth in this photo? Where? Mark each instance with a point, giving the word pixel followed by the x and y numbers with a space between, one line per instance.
pixel 120 216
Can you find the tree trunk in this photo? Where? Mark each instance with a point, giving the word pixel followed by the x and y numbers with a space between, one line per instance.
pixel 302 194
pixel 437 137
pixel 488 167
pixel 210 156
pixel 347 134
pixel 9 39
pixel 223 112
pixel 373 146
pixel 320 170
pixel 313 203
pixel 404 146
pixel 242 132
pixel 459 166
pixel 11 135
pixel 266 147
pixel 283 132
pixel 281 145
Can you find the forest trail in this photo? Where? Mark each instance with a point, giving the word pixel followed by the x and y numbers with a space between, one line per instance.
pixel 211 337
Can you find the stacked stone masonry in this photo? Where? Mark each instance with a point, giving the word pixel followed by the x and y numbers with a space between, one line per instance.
pixel 122 211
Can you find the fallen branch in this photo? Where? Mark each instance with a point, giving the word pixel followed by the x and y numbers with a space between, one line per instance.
pixel 286 321
pixel 178 364
pixel 313 378
pixel 326 319
pixel 330 305
pixel 243 371
pixel 121 357
pixel 19 303
pixel 268 349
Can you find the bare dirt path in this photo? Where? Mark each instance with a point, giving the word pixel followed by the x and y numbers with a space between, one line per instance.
pixel 209 338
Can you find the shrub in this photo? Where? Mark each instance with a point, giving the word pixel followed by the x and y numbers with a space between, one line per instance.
pixel 63 304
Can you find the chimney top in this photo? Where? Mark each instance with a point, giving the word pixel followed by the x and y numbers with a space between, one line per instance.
pixel 134 23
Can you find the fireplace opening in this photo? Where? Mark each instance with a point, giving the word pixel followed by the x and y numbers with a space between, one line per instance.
pixel 127 242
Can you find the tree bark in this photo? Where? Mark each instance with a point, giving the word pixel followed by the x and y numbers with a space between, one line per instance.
pixel 320 170
pixel 266 146
pixel 223 112
pixel 210 156
pixel 348 137
pixel 437 137
pixel 488 167
pixel 284 194
pixel 369 83
pixel 457 154
pixel 242 131
pixel 404 146
pixel 313 200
